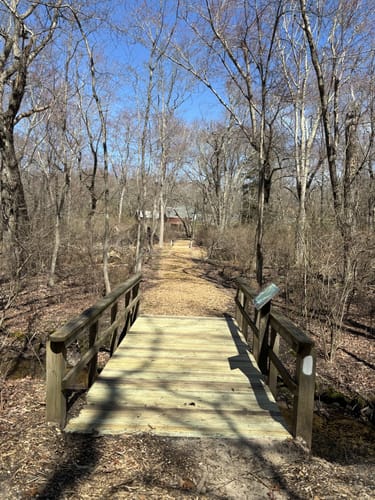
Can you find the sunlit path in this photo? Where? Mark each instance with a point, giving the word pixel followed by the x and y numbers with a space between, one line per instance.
pixel 178 376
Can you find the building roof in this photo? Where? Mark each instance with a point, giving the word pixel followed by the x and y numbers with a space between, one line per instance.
pixel 180 211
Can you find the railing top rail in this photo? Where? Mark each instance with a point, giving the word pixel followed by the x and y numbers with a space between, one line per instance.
pixel 293 335
pixel 265 347
pixel 69 332
pixel 245 287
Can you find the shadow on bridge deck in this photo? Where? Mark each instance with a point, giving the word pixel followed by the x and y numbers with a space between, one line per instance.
pixel 185 377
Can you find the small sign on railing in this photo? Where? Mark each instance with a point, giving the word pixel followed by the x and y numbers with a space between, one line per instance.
pixel 265 295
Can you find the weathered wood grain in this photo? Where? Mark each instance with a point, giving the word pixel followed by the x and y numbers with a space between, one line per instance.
pixel 91 337
pixel 179 376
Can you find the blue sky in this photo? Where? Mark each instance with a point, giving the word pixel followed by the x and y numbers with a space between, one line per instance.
pixel 122 59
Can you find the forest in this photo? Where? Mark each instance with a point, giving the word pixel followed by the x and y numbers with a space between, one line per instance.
pixel 256 117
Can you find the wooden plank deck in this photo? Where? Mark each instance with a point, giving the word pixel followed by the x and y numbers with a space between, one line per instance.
pixel 182 376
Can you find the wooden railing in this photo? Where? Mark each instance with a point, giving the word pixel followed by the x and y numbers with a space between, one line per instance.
pixel 92 331
pixel 267 327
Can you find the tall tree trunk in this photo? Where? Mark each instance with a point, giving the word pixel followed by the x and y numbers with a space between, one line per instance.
pixel 19 47
pixel 350 168
pixel 260 230
pixel 14 212
pixel 162 217
pixel 139 248
pixel 163 173
pixel 301 179
pixel 106 235
pixel 58 201
pixel 301 230
pixel 55 253
pixel 103 131
pixel 329 138
pixel 261 193
pixel 121 202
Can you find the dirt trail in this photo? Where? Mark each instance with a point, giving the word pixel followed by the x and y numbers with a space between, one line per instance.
pixel 181 286
pixel 39 461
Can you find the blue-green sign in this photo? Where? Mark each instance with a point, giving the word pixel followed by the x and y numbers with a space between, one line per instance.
pixel 266 295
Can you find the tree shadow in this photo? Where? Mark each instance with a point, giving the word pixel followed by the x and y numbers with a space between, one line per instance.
pixel 367 331
pixel 81 457
pixel 342 439
pixel 357 358
pixel 212 275
pixel 83 452
pixel 252 373
pixel 82 449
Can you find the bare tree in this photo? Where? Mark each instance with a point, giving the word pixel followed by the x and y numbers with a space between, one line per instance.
pixel 25 30
pixel 346 38
pixel 221 168
pixel 104 142
pixel 60 151
pixel 235 42
pixel 340 41
pixel 171 134
pixel 153 30
pixel 301 122
pixel 123 136
pixel 57 161
pixel 142 174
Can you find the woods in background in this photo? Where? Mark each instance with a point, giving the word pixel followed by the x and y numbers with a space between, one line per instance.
pixel 282 178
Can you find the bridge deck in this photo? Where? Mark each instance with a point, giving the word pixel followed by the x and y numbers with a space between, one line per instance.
pixel 182 376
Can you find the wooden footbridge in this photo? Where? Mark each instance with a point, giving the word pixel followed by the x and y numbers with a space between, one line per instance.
pixel 181 376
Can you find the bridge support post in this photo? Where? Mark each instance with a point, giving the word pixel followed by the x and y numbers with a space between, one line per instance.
pixel 303 406
pixel 56 402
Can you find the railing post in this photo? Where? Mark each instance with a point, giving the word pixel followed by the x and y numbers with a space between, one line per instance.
pixel 303 407
pixel 241 321
pixel 268 328
pixel 93 364
pixel 56 402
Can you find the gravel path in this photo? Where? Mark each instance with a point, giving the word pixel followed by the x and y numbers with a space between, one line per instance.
pixel 180 284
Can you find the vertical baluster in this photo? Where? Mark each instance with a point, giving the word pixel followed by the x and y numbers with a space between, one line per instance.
pixel 127 316
pixel 114 339
pixel 274 346
pixel 244 325
pixel 135 293
pixel 93 332
pixel 238 314
pixel 261 351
